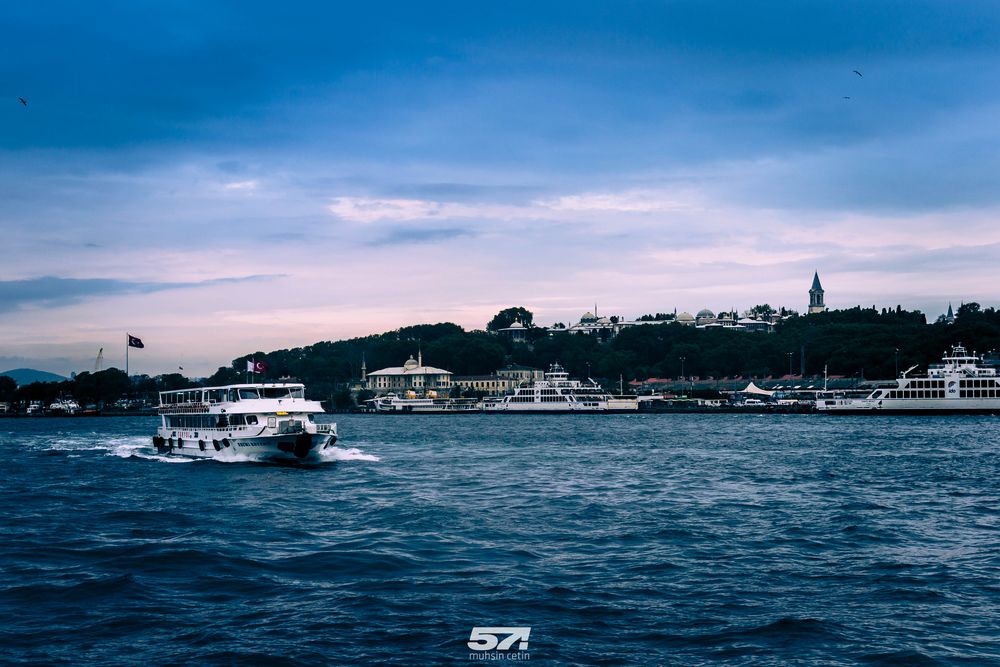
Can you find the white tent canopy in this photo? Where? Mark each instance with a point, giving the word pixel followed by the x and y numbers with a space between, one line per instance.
pixel 754 389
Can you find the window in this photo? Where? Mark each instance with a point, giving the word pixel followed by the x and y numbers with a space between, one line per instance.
pixel 251 420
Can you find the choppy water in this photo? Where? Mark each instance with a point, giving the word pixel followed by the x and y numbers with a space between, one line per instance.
pixel 659 539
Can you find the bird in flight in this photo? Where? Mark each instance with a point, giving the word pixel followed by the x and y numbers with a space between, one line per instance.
pixel 858 73
pixel 847 97
pixel 23 101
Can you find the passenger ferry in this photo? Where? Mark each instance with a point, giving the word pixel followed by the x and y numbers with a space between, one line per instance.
pixel 556 393
pixel 429 404
pixel 960 384
pixel 262 421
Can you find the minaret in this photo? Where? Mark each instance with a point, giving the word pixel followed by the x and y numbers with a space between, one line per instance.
pixel 816 304
pixel 950 317
pixel 364 369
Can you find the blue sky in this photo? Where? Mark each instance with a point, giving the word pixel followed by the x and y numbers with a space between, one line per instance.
pixel 220 178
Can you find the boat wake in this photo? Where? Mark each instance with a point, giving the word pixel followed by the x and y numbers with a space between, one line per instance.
pixel 127 450
pixel 136 448
pixel 352 454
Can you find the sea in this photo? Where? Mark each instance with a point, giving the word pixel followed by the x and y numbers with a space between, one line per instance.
pixel 471 539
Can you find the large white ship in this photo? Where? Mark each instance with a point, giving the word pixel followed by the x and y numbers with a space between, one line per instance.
pixel 261 421
pixel 556 393
pixel 960 384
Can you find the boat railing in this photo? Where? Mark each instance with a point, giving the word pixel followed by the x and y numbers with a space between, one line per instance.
pixel 182 408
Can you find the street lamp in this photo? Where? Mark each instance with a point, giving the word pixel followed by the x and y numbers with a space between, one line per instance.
pixel 682 367
pixel 789 363
pixel 896 356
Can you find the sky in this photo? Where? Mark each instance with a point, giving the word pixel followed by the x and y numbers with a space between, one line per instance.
pixel 219 178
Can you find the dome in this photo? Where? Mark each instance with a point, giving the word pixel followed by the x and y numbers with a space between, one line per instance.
pixel 705 312
pixel 516 325
pixel 685 317
pixel 604 320
pixel 588 317
pixel 410 364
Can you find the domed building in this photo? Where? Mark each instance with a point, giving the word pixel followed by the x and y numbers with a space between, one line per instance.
pixel 411 376
pixel 705 316
pixel 516 331
pixel 686 318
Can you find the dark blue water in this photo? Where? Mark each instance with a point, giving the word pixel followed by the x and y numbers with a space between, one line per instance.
pixel 661 539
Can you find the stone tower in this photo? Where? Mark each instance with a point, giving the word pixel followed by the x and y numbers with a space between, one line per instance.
pixel 816 304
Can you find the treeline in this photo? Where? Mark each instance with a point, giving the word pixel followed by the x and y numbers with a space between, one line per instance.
pixel 102 389
pixel 858 342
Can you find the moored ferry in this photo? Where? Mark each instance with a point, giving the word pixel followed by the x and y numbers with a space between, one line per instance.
pixel 261 421
pixel 557 393
pixel 960 384
pixel 430 404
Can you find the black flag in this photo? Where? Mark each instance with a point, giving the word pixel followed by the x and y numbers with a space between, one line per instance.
pixel 134 342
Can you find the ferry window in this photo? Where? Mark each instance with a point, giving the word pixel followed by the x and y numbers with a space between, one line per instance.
pixel 272 422
pixel 252 420
pixel 298 392
pixel 311 417
pixel 275 392
pixel 248 394
pixel 233 395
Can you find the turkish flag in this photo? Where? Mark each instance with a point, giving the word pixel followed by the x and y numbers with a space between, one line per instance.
pixel 260 367
pixel 134 342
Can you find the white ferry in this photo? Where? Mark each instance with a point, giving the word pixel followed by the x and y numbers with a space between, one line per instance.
pixel 263 421
pixel 429 404
pixel 556 393
pixel 961 384
pixel 65 406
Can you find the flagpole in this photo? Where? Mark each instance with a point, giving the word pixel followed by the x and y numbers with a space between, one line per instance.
pixel 126 354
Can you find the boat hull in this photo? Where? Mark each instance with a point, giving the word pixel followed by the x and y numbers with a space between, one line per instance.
pixel 287 447
pixel 910 411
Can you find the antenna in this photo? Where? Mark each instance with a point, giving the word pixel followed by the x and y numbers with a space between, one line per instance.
pixel 99 360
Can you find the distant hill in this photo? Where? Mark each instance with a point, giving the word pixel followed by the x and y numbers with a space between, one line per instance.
pixel 24 376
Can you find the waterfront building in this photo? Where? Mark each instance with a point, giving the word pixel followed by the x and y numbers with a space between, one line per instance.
pixel 816 292
pixel 517 373
pixel 489 385
pixel 411 376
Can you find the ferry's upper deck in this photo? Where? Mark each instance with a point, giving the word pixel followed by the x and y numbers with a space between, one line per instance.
pixel 258 398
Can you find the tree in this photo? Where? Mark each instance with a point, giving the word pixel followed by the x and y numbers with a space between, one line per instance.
pixel 7 388
pixel 506 317
pixel 762 311
pixel 971 308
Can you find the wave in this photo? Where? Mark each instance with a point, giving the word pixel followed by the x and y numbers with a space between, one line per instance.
pixel 352 454
pixel 136 447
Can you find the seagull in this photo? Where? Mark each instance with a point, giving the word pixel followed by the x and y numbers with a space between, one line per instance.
pixel 847 97
pixel 858 73
pixel 23 101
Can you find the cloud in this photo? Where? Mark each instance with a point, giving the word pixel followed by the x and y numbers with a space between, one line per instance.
pixel 52 291
pixel 572 206
pixel 406 236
